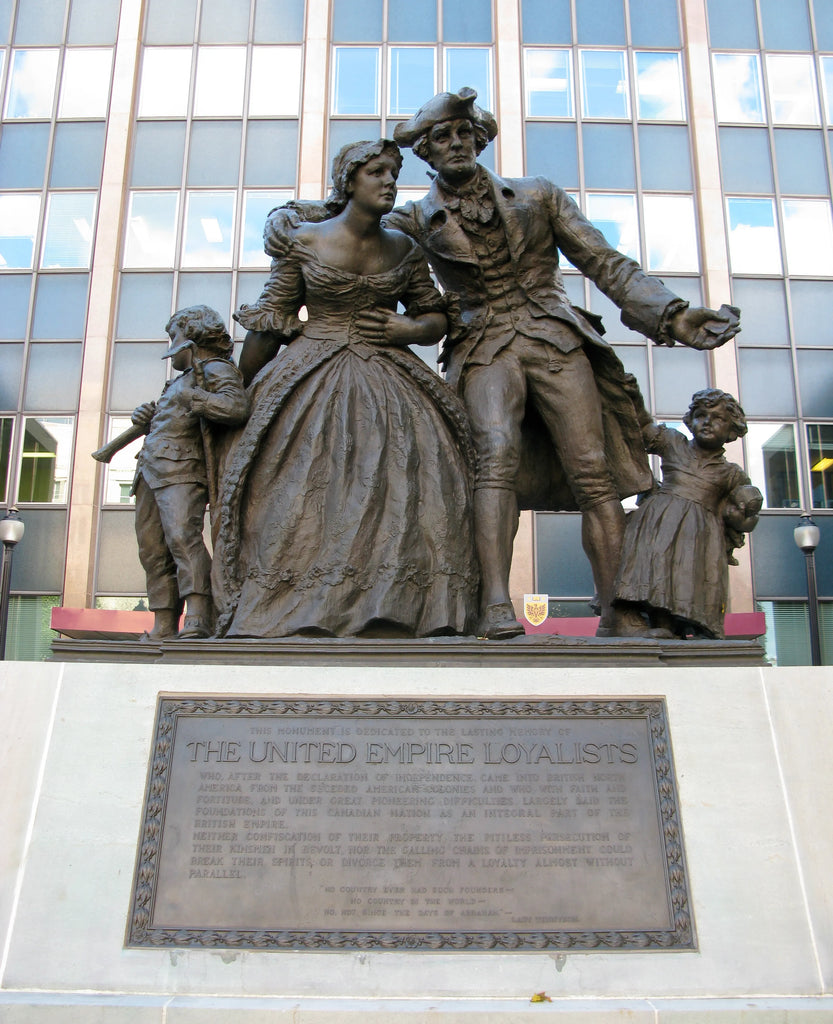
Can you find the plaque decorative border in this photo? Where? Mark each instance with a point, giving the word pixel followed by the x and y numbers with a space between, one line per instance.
pixel 141 931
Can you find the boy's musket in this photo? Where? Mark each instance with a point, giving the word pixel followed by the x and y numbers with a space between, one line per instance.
pixel 207 444
pixel 122 440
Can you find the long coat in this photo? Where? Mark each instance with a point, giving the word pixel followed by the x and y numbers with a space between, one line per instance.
pixel 540 219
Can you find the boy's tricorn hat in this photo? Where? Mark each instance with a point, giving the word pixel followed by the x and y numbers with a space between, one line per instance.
pixel 445 106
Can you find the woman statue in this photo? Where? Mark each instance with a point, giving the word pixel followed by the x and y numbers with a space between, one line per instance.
pixel 346 500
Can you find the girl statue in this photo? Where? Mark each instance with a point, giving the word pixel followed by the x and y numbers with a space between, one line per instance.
pixel 679 541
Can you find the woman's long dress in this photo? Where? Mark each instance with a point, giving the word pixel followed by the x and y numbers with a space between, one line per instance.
pixel 346 499
pixel 674 552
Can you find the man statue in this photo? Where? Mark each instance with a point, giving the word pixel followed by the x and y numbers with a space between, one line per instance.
pixel 553 425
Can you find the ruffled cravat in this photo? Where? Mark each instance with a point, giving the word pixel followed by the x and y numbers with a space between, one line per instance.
pixel 473 200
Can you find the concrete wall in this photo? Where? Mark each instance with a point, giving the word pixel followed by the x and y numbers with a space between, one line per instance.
pixel 754 775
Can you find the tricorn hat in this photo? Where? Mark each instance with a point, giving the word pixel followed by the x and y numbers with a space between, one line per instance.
pixel 445 106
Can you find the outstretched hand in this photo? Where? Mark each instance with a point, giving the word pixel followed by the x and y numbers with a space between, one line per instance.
pixel 701 328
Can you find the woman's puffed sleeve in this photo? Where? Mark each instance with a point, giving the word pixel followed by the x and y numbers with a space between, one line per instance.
pixel 276 311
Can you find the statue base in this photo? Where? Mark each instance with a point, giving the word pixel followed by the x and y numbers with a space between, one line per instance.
pixel 530 650
pixel 751 755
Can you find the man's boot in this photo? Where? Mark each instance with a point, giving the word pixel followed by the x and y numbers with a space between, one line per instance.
pixel 495 526
pixel 165 623
pixel 199 618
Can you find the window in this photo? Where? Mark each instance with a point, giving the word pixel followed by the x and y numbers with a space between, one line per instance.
pixel 764 308
pixel 32 83
pixel 23 154
pixel 552 150
pixel 469 22
pixel 785 24
pixel 29 636
pixel 753 237
pixel 214 153
pixel 139 368
pixel 221 81
pixel 60 306
pixel 737 86
pixel 209 229
pixel 787 640
pixel 600 22
pixel 151 229
pixel 608 156
pixel 678 374
pixel 15 294
pixel 410 80
pixel 604 83
pixel 808 236
pixel 356 80
pixel 745 160
pixel 18 228
pixel 85 83
pixel 812 310
pixel 275 86
pixel 6 424
pixel 45 459
pixel 119 472
pixel 615 216
pixel 53 377
pixel 820 453
pixel 548 87
pixel 670 233
pixel 256 207
pixel 412 21
pixel 158 152
pixel 792 88
pixel 271 153
pixel 665 157
pixel 68 235
pixel 412 75
pixel 815 372
pixel 470 66
pixel 165 81
pixel 799 154
pixel 357 21
pixel 77 154
pixel 659 86
pixel 766 382
pixel 827 87
pixel 144 305
pixel 772 464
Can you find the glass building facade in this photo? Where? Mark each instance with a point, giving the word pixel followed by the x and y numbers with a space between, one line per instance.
pixel 143 143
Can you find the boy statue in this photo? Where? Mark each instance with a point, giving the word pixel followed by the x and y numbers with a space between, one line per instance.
pixel 175 472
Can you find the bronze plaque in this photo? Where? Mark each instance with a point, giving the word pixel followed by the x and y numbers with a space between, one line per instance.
pixel 411 824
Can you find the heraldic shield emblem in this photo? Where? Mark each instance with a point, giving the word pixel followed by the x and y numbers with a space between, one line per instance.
pixel 536 608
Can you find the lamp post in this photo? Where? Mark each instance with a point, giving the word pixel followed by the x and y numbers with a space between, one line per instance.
pixel 11 533
pixel 807 536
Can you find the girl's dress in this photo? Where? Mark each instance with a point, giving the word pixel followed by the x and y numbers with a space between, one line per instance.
pixel 674 551
pixel 346 498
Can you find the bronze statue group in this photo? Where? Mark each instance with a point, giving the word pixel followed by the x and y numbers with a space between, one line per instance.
pixel 356 493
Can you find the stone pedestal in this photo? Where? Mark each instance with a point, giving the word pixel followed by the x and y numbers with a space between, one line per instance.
pixel 754 774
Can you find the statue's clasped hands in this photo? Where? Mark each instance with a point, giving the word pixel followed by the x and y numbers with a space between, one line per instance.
pixel 384 327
